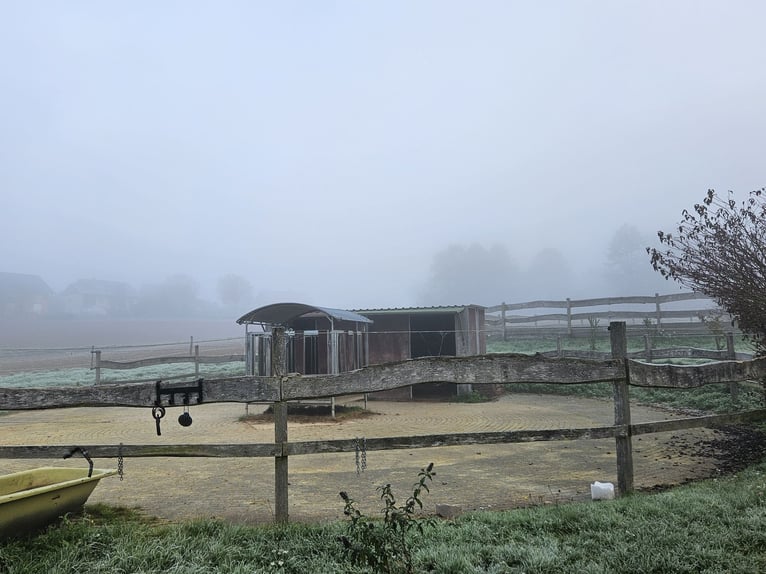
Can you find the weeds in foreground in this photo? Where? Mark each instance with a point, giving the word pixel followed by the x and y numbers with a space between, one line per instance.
pixel 384 545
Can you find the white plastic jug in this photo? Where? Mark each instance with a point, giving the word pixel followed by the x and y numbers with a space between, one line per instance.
pixel 602 491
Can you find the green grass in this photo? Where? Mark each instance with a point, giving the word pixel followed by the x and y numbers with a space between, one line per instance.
pixel 712 526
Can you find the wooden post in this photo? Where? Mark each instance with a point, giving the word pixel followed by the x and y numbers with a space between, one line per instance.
pixel 648 347
pixel 196 361
pixel 280 428
pixel 731 355
pixel 98 366
pixel 569 316
pixel 658 311
pixel 619 343
pixel 559 354
pixel 505 328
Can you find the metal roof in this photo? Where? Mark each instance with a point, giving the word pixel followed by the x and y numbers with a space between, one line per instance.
pixel 283 313
pixel 418 310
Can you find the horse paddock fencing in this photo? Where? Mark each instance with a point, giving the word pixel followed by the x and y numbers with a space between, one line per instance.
pixel 492 369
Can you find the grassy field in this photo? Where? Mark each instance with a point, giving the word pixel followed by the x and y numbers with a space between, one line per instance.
pixel 601 343
pixel 87 377
pixel 713 526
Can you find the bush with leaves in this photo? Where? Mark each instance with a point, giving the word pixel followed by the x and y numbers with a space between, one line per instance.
pixel 384 545
pixel 720 250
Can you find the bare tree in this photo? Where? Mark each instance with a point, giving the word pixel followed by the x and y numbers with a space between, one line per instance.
pixel 548 275
pixel 234 289
pixel 462 274
pixel 627 271
pixel 720 250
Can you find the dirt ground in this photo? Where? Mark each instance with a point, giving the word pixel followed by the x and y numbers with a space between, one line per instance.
pixel 472 477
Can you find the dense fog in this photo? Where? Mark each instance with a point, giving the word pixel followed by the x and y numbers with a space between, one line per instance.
pixel 200 159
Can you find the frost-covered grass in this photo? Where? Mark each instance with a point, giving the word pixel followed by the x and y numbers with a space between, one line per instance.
pixel 85 377
pixel 531 345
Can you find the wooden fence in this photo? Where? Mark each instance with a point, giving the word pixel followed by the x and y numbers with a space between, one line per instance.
pixel 99 364
pixel 581 316
pixel 481 369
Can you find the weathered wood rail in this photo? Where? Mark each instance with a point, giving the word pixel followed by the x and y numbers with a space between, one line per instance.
pixel 483 369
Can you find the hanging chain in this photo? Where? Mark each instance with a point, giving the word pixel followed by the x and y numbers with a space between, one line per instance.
pixel 356 455
pixel 120 463
pixel 360 455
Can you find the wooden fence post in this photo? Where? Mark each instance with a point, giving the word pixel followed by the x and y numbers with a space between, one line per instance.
pixel 619 343
pixel 569 316
pixel 731 355
pixel 658 311
pixel 280 428
pixel 648 347
pixel 502 315
pixel 98 366
pixel 196 361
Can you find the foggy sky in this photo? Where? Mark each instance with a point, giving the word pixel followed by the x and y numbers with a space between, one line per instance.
pixel 327 150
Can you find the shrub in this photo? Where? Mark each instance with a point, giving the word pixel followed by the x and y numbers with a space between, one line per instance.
pixel 384 545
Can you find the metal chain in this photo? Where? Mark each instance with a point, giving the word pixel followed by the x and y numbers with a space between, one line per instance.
pixel 120 463
pixel 356 455
pixel 360 449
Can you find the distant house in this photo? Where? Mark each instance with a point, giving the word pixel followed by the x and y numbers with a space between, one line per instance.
pixel 97 298
pixel 323 340
pixel 23 295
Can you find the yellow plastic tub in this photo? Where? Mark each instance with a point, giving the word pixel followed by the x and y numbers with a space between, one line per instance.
pixel 33 498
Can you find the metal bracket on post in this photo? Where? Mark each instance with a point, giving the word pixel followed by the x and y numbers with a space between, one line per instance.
pixel 171 393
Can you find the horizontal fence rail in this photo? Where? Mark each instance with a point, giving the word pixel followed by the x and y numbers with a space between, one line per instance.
pixel 269 450
pixel 479 370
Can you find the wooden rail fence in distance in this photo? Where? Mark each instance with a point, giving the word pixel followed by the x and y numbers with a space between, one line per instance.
pixel 99 364
pixel 500 322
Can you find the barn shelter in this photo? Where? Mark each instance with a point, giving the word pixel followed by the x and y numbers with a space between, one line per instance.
pixel 408 333
pixel 320 340
pixel 323 340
